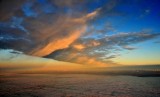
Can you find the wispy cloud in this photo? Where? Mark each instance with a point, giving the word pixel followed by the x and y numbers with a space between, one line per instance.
pixel 129 47
pixel 101 50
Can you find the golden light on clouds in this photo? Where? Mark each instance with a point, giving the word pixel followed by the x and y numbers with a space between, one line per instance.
pixel 75 31
pixel 30 64
pixel 58 44
pixel 74 26
pixel 79 46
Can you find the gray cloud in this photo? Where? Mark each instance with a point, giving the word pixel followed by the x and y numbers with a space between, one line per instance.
pixel 129 47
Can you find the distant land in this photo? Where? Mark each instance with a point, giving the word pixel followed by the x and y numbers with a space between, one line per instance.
pixel 138 70
pixel 122 81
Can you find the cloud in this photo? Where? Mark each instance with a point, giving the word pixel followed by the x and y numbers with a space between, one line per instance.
pixel 130 38
pixel 79 46
pixel 9 9
pixel 62 36
pixel 66 30
pixel 44 32
pixel 15 61
pixel 11 34
pixel 68 3
pixel 41 27
pixel 94 32
pixel 129 47
pixel 53 45
pixel 101 51
pixel 70 55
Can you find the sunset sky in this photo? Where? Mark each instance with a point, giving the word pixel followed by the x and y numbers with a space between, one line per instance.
pixel 74 33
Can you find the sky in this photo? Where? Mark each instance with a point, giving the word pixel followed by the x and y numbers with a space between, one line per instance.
pixel 98 33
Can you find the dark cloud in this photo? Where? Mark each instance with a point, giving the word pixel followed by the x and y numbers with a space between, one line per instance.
pixel 10 8
pixel 11 34
pixel 39 24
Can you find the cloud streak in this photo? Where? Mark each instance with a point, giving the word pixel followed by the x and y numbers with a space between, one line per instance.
pixel 101 51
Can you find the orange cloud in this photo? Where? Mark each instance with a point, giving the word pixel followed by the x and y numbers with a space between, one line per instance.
pixel 84 59
pixel 88 16
pixel 90 61
pixel 59 44
pixel 79 46
pixel 60 37
pixel 31 64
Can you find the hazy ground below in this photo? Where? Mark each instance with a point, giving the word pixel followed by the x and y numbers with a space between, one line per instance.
pixel 78 85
